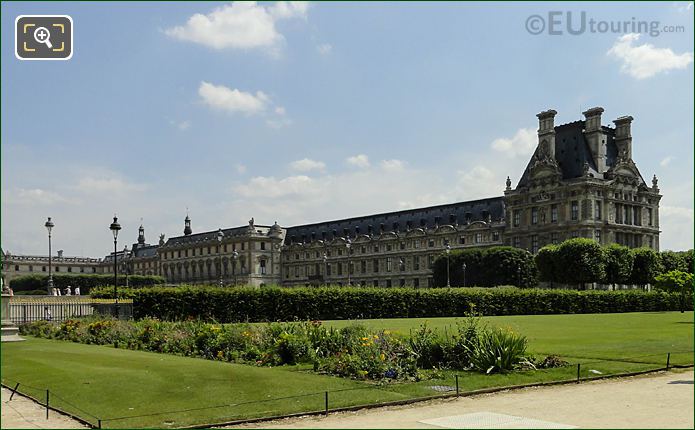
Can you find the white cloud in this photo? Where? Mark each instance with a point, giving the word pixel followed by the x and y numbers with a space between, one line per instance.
pixel 646 60
pixel 521 144
pixel 231 100
pixel 239 25
pixel 324 48
pixel 306 165
pixel 677 225
pixel 392 165
pixel 274 188
pixel 280 110
pixel 33 197
pixel 666 161
pixel 361 161
pixel 113 185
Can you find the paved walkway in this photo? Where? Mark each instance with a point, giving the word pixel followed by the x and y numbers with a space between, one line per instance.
pixel 22 413
pixel 663 400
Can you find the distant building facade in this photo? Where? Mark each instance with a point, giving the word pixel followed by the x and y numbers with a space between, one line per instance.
pixel 14 266
pixel 580 182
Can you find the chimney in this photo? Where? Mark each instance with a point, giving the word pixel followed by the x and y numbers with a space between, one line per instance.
pixel 623 136
pixel 595 137
pixel 546 133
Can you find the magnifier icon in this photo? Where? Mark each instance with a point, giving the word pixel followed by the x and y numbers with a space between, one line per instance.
pixel 42 35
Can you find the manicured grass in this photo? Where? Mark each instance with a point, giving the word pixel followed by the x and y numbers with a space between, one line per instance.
pixel 108 383
pixel 587 336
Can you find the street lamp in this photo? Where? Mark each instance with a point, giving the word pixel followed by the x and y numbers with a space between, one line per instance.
pixel 464 274
pixel 448 276
pixel 348 244
pixel 115 228
pixel 325 268
pixel 220 236
pixel 49 226
pixel 235 257
pixel 518 274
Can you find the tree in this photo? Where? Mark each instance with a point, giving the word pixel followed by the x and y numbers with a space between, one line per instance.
pixel 619 262
pixel 645 267
pixel 582 261
pixel 677 282
pixel 486 267
pixel 672 260
pixel 547 264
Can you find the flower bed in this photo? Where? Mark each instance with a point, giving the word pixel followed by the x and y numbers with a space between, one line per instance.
pixel 353 351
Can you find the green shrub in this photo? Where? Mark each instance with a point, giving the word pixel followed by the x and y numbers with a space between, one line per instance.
pixel 646 267
pixel 248 304
pixel 85 281
pixel 497 351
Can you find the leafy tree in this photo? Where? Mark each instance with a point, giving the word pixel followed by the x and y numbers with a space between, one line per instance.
pixel 645 267
pixel 547 264
pixel 672 260
pixel 619 262
pixel 582 261
pixel 675 281
pixel 486 267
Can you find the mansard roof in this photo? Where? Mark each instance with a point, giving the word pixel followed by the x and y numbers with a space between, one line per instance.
pixel 572 152
pixel 145 251
pixel 453 213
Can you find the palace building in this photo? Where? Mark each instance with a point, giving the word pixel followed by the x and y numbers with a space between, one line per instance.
pixel 580 182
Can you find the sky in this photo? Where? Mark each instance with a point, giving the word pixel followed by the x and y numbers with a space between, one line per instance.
pixel 306 112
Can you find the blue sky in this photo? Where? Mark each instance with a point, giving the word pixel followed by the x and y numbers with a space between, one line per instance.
pixel 306 112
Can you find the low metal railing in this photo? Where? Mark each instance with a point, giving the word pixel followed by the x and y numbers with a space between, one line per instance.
pixel 24 310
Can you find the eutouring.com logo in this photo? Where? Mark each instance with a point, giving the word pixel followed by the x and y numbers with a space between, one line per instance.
pixel 559 23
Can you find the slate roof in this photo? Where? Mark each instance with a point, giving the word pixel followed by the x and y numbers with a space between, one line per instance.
pixel 572 151
pixel 145 251
pixel 453 213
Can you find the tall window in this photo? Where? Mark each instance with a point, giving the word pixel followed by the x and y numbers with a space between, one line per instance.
pixel 462 240
pixel 597 236
pixel 416 262
pixel 650 220
pixel 517 242
pixel 375 265
pixel 534 216
pixel 495 236
pixel 262 246
pixel 534 243
pixel 554 238
pixel 627 216
pixel 262 267
pixel 575 210
pixel 388 264
pixel 478 238
pixel 363 266
pixel 597 210
pixel 553 213
pixel 340 269
pixel 636 216
pixel 430 261
pixel 517 218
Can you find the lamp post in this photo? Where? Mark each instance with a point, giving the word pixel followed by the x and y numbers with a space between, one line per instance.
pixel 220 236
pixel 49 226
pixel 518 275
pixel 448 275
pixel 235 257
pixel 115 227
pixel 325 268
pixel 464 274
pixel 348 245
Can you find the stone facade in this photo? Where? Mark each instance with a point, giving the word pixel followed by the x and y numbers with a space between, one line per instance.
pixel 14 266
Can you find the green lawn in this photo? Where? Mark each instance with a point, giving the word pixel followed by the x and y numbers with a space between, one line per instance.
pixel 108 383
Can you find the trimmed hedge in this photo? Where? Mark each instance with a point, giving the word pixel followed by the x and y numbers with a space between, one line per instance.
pixel 487 267
pixel 329 303
pixel 84 281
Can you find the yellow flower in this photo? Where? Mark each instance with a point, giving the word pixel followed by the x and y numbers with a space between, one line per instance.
pixel 387 332
pixel 382 356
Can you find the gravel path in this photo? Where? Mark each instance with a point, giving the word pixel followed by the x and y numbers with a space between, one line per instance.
pixel 662 400
pixel 22 413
